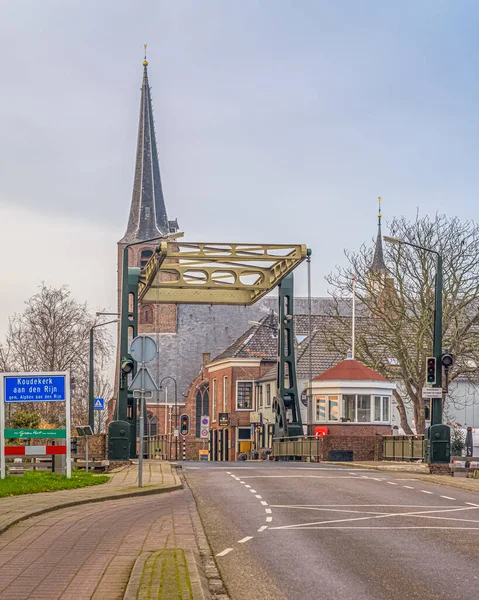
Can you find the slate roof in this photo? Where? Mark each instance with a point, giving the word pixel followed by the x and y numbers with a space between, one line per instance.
pixel 148 218
pixel 350 370
pixel 259 341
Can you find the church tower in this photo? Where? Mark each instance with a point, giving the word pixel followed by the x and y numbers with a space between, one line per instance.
pixel 377 274
pixel 148 217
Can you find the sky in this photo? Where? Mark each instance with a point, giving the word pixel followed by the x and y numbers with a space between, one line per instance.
pixel 277 121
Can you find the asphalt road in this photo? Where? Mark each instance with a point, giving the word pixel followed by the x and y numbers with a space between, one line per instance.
pixel 297 531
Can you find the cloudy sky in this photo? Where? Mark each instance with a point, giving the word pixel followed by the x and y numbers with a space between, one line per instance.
pixel 277 121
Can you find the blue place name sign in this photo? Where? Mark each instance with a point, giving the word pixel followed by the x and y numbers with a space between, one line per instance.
pixel 35 388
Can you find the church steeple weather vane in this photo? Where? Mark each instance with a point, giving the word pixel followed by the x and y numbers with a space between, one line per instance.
pixel 378 263
pixel 145 62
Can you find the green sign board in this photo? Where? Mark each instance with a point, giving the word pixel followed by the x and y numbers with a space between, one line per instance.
pixel 36 433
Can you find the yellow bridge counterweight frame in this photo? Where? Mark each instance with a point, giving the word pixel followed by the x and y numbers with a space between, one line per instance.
pixel 216 273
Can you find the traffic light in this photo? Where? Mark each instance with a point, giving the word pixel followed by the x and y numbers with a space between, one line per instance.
pixel 431 369
pixel 74 445
pixel 447 360
pixel 427 411
pixel 126 365
pixel 184 424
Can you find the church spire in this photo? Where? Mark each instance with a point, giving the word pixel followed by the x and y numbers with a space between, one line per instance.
pixel 148 216
pixel 378 263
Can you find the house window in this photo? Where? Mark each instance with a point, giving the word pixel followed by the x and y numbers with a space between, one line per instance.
pixel 364 409
pixel 225 394
pixel 244 395
pixel 377 408
pixel 349 407
pixel 320 409
pixel 145 257
pixel 260 396
pixel 333 408
pixel 213 401
pixel 268 394
pixel 385 408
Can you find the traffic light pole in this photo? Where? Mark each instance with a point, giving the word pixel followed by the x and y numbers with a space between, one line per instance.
pixel 436 403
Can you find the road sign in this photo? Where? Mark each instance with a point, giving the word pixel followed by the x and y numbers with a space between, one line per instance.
pixel 143 349
pixel 26 434
pixel 175 432
pixel 35 388
pixel 205 422
pixel 99 404
pixel 204 433
pixel 143 381
pixel 429 392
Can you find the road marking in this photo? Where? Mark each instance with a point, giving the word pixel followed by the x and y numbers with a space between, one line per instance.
pixel 253 491
pixel 391 483
pixel 241 481
pixel 245 539
pixel 472 504
pixel 228 472
pixel 264 503
pixel 377 478
pixel 423 513
pixel 269 519
pixel 247 486
pixel 261 529
pixel 446 497
pixel 365 506
pixel 383 528
pixel 409 487
pixel 258 496
pixel 300 477
pixel 268 510
pixel 224 552
pixel 426 492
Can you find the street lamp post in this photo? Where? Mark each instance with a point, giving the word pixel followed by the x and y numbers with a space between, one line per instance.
pixel 91 378
pixel 176 409
pixel 436 403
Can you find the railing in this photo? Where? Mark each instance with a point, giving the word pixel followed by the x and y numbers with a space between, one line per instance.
pixel 155 446
pixel 404 447
pixel 307 447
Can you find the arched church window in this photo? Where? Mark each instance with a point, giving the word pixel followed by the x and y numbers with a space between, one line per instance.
pixel 144 257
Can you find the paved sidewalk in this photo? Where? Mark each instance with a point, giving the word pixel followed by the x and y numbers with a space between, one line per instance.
pixel 383 465
pixel 88 552
pixel 158 477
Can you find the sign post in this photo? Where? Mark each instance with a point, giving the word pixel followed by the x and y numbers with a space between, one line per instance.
pixel 35 387
pixel 143 350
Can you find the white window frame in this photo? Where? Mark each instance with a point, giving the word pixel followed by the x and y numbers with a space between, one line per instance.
pixel 213 401
pixel 268 396
pixel 324 398
pixel 225 393
pixel 238 381
pixel 260 396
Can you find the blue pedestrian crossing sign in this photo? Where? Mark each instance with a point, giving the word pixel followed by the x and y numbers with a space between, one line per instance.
pixel 99 404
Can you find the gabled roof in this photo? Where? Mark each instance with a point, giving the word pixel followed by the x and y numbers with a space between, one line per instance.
pixel 350 370
pixel 148 218
pixel 260 341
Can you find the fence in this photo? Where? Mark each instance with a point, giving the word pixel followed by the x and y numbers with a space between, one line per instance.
pixel 297 448
pixel 156 446
pixel 404 447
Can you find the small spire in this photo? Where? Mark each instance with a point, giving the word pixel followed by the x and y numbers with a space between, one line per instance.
pixel 145 62
pixel 349 355
pixel 378 263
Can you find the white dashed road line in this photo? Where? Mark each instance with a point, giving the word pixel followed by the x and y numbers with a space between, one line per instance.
pixel 259 497
pixel 472 504
pixel 261 529
pixel 448 497
pixel 269 519
pixel 409 487
pixel 391 482
pixel 253 491
pixel 426 492
pixel 268 510
pixel 245 539
pixel 224 552
pixel 264 503
pixel 247 486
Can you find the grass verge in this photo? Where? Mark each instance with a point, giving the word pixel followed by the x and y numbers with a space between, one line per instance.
pixel 34 483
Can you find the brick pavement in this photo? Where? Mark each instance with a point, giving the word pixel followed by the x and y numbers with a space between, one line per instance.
pixel 89 551
pixel 157 477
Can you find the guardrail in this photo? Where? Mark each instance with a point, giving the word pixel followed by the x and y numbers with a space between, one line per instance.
pixel 309 447
pixel 404 447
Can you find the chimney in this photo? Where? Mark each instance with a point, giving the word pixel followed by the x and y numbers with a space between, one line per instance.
pixel 206 358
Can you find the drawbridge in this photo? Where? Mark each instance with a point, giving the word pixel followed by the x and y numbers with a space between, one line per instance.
pixel 180 272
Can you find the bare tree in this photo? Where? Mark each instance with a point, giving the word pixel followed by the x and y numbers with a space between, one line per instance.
pixel 396 305
pixel 52 334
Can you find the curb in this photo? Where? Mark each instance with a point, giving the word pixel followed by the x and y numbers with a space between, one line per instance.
pixel 386 469
pixel 47 509
pixel 196 574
